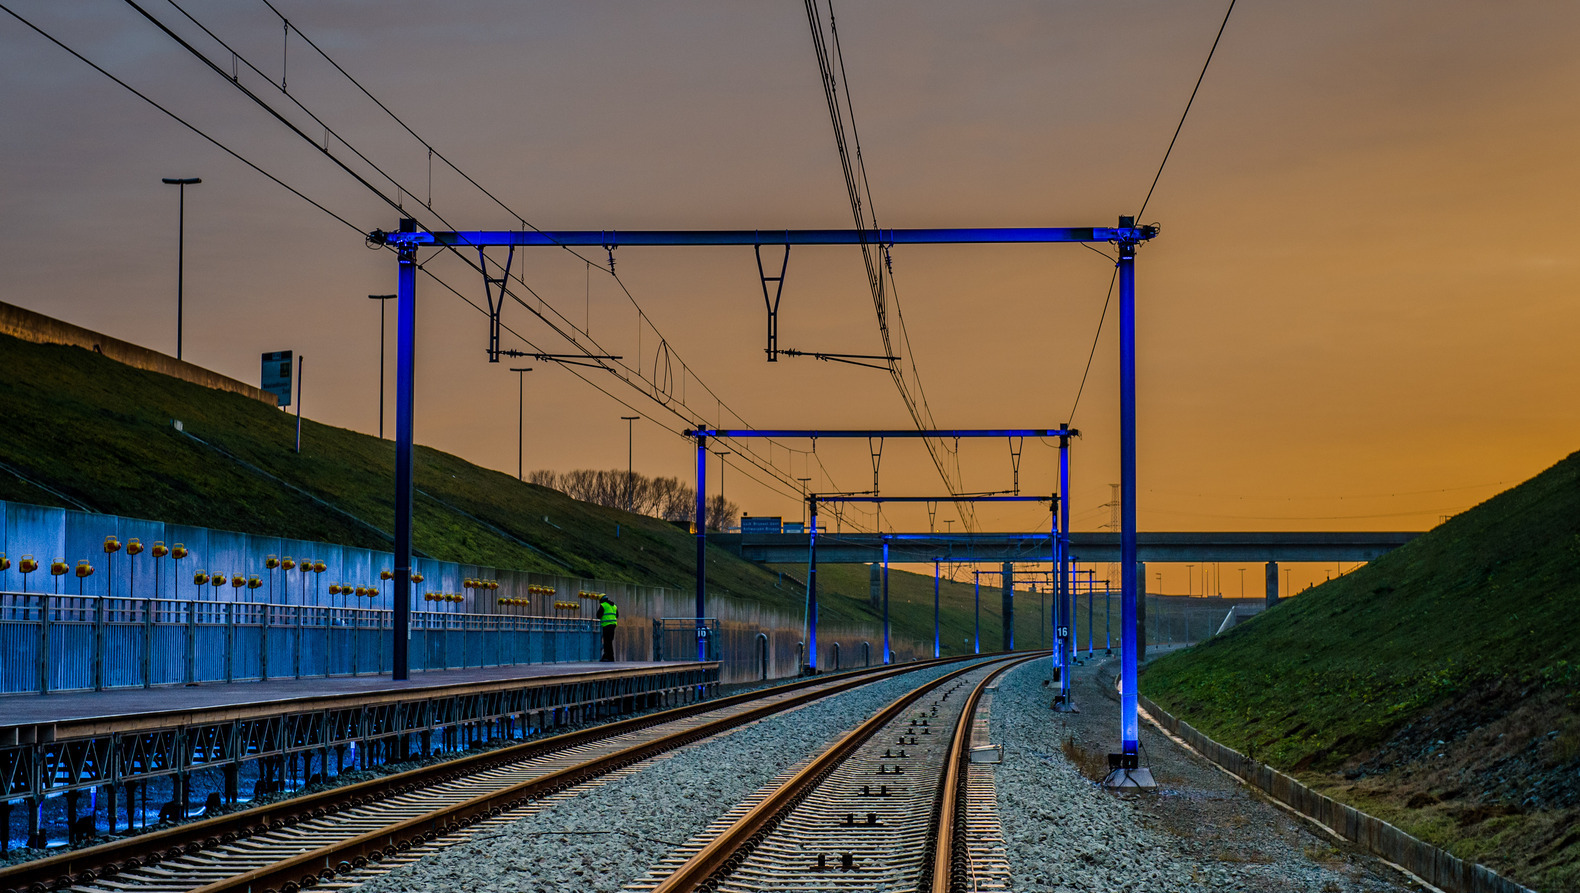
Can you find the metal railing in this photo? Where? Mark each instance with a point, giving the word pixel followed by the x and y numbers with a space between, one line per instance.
pixel 90 643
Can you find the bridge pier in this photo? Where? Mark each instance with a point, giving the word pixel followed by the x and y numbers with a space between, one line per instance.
pixel 1141 611
pixel 1272 583
pixel 1008 579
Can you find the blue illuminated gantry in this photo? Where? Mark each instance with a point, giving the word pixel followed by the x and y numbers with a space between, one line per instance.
pixel 1033 235
pixel 943 433
pixel 1127 236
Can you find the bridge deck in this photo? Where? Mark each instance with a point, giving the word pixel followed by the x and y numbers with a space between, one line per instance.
pixel 1163 546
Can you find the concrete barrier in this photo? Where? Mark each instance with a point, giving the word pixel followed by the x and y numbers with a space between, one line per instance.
pixel 1430 863
pixel 20 322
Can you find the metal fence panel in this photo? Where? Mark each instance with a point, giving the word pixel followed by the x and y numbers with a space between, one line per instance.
pixel 313 630
pixel 281 641
pixel 19 639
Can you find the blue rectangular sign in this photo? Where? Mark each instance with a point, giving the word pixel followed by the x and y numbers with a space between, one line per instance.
pixel 761 524
pixel 277 375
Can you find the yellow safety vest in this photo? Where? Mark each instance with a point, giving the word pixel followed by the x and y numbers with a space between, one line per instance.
pixel 608 614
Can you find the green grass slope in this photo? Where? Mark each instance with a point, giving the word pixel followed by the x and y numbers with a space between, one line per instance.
pixel 86 431
pixel 99 432
pixel 1436 686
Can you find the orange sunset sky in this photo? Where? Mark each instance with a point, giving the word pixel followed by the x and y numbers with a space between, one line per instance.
pixel 1361 313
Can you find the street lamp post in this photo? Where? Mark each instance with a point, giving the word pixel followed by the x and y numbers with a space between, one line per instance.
pixel 381 299
pixel 181 247
pixel 521 417
pixel 630 476
pixel 721 454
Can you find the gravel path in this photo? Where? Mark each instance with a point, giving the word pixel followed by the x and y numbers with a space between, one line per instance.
pixel 611 834
pixel 1201 831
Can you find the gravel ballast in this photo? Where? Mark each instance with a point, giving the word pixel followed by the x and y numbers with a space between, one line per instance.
pixel 1200 831
pixel 613 833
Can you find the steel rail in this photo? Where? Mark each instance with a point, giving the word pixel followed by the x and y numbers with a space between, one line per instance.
pixel 308 869
pixel 951 861
pixel 93 863
pixel 724 851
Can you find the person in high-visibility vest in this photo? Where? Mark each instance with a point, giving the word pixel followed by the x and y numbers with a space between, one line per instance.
pixel 608 618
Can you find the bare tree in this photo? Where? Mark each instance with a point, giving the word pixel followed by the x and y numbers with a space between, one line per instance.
pixel 722 514
pixel 672 500
pixel 580 484
pixel 543 477
pixel 663 497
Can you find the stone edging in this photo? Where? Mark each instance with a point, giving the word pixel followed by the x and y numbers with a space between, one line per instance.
pixel 1430 863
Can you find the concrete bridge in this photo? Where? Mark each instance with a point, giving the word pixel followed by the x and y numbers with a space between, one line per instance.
pixel 1009 548
pixel 921 548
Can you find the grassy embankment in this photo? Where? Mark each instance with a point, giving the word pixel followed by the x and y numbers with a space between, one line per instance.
pixel 99 433
pixel 1435 687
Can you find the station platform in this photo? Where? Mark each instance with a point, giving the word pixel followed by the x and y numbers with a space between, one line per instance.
pixel 212 742
pixel 26 718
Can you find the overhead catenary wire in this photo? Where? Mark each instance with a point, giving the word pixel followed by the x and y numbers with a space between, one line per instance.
pixel 775 476
pixel 857 185
pixel 1150 189
pixel 1185 114
pixel 649 388
pixel 658 393
pixel 178 119
pixel 434 152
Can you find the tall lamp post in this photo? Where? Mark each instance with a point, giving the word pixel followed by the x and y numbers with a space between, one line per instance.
pixel 181 246
pixel 382 299
pixel 630 476
pixel 721 454
pixel 521 416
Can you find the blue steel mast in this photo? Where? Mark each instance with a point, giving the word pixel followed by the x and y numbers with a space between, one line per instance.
pixel 1129 773
pixel 702 546
pixel 1064 629
pixel 405 365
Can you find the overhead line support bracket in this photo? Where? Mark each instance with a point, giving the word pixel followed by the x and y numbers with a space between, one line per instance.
pixel 773 302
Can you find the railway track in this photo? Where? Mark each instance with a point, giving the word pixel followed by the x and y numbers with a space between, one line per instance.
pixel 334 838
pixel 885 808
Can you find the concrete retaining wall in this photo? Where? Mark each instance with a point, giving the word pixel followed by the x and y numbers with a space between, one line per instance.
pixel 1432 864
pixel 21 323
